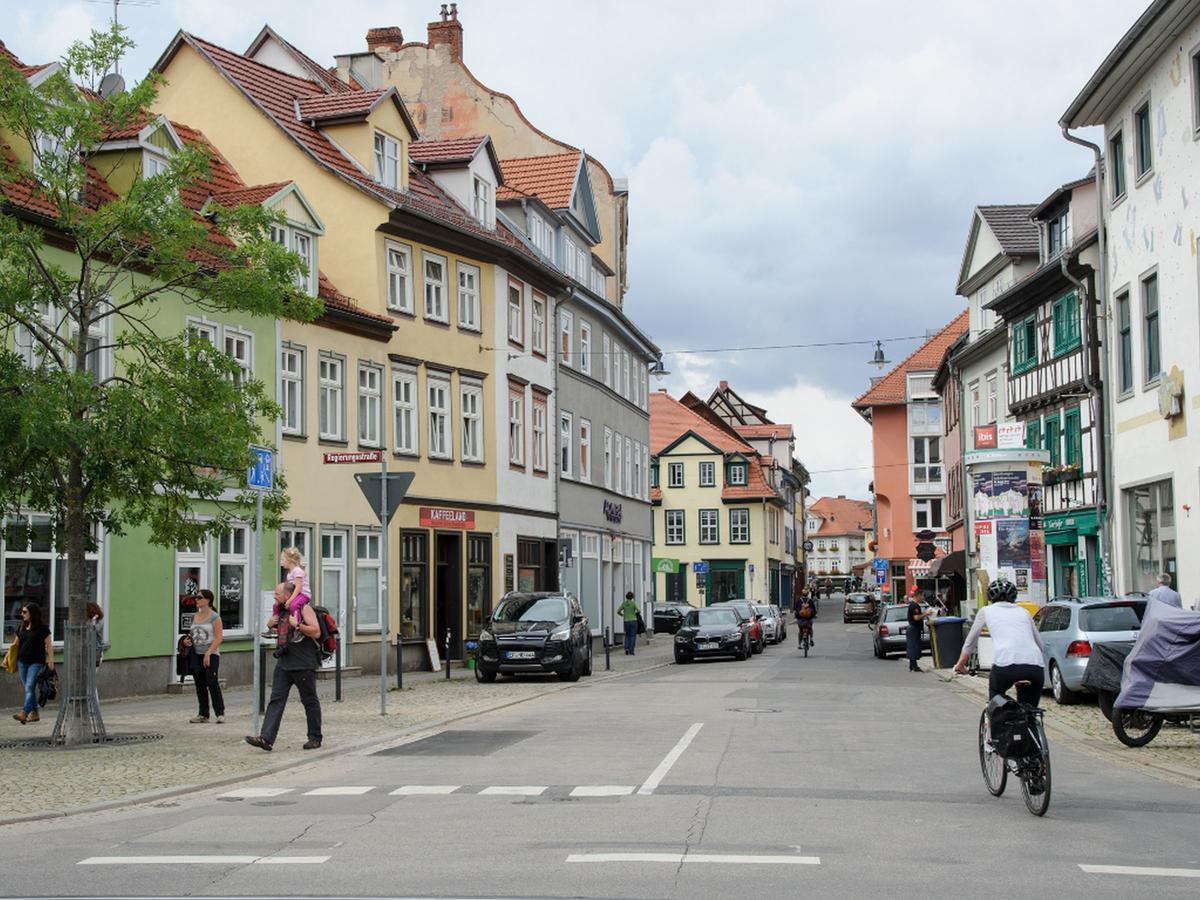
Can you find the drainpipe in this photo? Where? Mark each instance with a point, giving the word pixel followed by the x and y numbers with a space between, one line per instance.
pixel 1101 399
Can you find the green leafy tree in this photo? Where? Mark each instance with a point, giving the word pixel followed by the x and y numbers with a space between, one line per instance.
pixel 137 441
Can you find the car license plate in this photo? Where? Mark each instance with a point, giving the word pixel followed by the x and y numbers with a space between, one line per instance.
pixel 707 646
pixel 519 654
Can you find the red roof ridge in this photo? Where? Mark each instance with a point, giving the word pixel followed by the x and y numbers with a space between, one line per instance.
pixel 951 329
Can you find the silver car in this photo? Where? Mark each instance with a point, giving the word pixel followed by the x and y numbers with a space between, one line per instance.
pixel 772 623
pixel 891 631
pixel 1070 626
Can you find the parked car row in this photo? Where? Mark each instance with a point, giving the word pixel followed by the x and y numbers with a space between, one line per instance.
pixel 733 628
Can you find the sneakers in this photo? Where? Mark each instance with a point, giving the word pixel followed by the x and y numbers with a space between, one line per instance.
pixel 259 742
pixel 220 720
pixel 198 720
pixel 312 745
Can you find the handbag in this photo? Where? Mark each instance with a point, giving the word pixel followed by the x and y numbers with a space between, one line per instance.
pixel 10 658
pixel 641 628
pixel 47 686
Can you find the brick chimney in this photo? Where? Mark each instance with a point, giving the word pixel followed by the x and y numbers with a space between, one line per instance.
pixel 448 31
pixel 389 38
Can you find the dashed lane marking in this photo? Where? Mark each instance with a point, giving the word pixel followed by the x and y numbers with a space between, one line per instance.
pixel 528 790
pixel 201 860
pixel 251 793
pixel 669 760
pixel 603 790
pixel 418 790
pixel 346 790
pixel 1155 871
pixel 675 859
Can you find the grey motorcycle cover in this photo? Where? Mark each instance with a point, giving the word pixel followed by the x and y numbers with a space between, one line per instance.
pixel 1162 672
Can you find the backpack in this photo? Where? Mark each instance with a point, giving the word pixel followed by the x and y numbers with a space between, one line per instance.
pixel 1012 735
pixel 327 641
pixel 806 610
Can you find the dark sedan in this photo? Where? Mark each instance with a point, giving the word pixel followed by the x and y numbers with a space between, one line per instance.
pixel 669 616
pixel 535 633
pixel 712 632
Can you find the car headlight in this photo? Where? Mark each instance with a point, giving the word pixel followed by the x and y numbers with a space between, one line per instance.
pixel 681 638
pixel 562 634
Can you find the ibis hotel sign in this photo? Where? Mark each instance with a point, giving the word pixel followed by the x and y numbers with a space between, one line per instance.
pixel 438 517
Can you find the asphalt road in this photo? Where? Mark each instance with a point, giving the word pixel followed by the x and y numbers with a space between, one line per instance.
pixel 835 775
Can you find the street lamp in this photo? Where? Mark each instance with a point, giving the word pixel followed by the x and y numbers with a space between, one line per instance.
pixel 658 370
pixel 879 360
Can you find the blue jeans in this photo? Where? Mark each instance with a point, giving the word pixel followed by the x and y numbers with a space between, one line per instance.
pixel 28 673
pixel 631 636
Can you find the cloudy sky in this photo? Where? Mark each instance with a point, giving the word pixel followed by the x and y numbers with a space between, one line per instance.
pixel 799 172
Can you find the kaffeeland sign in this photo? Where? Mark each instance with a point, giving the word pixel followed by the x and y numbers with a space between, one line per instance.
pixel 437 517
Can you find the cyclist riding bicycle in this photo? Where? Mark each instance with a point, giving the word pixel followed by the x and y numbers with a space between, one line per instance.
pixel 1015 641
pixel 805 612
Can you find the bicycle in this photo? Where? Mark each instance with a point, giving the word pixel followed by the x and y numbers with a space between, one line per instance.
pixel 805 637
pixel 1032 769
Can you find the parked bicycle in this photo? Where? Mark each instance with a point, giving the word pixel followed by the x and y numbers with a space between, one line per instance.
pixel 1012 739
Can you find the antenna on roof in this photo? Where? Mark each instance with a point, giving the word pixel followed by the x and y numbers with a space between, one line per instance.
pixel 116 20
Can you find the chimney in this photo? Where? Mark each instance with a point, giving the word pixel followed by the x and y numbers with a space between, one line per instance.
pixel 448 31
pixel 841 496
pixel 389 38
pixel 724 385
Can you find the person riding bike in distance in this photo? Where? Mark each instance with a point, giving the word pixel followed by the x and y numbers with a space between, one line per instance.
pixel 1017 648
pixel 806 612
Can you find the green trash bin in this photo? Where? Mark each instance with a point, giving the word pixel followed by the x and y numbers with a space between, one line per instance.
pixel 946 640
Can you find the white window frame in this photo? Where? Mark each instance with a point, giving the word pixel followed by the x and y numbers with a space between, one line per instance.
pixel 304 245
pixel 331 396
pixel 370 404
pixel 739 525
pixel 708 473
pixel 468 297
pixel 630 488
pixel 710 532
pixel 516 313
pixel 538 315
pixel 645 472
pixel 608 439
pixel 481 200
pixel 516 427
pixel 387 160
pixel 440 410
pixel 541 449
pixel 585 347
pixel 566 325
pixel 925 506
pixel 434 290
pixel 239 346
pixel 227 555
pixel 291 387
pixel 471 412
pixel 928 485
pixel 674 469
pixel 585 451
pixel 674 532
pixel 370 560
pixel 618 463
pixel 406 427
pixel 566 450
pixel 399 277
pixel 993 395
pixel 739 474
pixel 606 348
pixel 635 486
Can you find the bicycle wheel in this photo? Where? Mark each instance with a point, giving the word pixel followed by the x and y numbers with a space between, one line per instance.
pixel 1135 727
pixel 995 772
pixel 1035 777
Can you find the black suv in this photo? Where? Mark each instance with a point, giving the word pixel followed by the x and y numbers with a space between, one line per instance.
pixel 534 633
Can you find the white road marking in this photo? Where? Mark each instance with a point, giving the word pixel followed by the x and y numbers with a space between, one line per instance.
pixel 348 790
pixel 200 860
pixel 1141 870
pixel 247 793
pixel 677 858
pixel 603 790
pixel 529 790
pixel 410 790
pixel 669 760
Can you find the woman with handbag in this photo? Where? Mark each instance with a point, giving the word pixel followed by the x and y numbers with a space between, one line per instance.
pixel 35 651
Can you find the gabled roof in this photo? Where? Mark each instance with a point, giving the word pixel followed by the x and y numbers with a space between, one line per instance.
pixel 892 388
pixel 550 178
pixel 726 397
pixel 455 152
pixel 317 72
pixel 840 515
pixel 327 109
pixel 11 58
pixel 1050 202
pixel 781 432
pixel 1012 227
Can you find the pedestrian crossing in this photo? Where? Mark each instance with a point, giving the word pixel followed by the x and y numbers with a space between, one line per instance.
pixel 433 790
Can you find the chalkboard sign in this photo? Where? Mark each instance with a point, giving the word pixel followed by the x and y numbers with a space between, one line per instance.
pixel 435 662
pixel 509 572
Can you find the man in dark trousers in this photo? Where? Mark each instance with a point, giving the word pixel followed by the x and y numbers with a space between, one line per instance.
pixel 297 659
pixel 916 625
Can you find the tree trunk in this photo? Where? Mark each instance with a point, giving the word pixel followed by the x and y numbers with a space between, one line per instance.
pixel 77 719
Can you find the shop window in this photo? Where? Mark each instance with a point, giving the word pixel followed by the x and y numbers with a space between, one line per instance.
pixel 1150 530
pixel 233 564
pixel 414 582
pixel 479 579
pixel 35 573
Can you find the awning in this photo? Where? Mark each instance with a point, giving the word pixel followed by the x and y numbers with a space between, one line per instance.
pixel 918 568
pixel 951 564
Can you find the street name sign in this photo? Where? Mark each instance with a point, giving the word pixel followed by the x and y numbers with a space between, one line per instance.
pixel 357 456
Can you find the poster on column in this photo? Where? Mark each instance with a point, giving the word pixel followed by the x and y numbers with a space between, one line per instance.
pixel 1010 495
pixel 981 494
pixel 1012 547
pixel 1037 565
pixel 985 537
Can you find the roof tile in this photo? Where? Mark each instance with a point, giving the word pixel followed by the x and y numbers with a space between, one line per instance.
pixel 453 150
pixel 841 515
pixel 1016 232
pixel 549 178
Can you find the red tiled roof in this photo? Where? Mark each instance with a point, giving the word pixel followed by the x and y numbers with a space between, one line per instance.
pixel 549 178
pixel 318 72
pixel 840 515
pixel 453 150
pixel 756 484
pixel 765 431
pixel 338 106
pixel 259 193
pixel 11 58
pixel 275 92
pixel 892 387
pixel 336 299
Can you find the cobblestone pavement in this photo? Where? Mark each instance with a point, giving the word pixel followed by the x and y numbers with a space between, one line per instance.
pixel 1174 753
pixel 56 781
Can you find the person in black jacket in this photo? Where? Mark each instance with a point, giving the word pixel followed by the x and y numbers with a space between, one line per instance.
pixel 297 658
pixel 35 651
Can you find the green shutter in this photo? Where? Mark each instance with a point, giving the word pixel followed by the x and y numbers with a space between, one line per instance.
pixel 1051 443
pixel 1033 434
pixel 1074 438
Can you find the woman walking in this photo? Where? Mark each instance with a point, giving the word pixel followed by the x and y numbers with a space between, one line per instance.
pixel 35 651
pixel 207 633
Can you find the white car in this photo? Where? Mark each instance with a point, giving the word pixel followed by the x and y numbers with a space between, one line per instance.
pixel 773 626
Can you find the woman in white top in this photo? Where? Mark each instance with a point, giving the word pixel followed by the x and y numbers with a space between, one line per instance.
pixel 1017 648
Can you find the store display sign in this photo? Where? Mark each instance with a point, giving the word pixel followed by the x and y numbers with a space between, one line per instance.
pixel 985 437
pixel 1010 435
pixel 437 517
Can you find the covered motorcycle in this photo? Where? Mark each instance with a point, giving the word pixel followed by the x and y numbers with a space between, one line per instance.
pixel 1103 673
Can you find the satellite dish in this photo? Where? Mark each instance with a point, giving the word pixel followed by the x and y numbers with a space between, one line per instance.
pixel 112 83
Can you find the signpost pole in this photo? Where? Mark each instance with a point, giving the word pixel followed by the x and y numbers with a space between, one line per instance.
pixel 256 613
pixel 383 591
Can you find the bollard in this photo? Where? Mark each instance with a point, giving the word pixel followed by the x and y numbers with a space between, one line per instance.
pixel 399 665
pixel 262 678
pixel 337 673
pixel 607 646
pixel 447 654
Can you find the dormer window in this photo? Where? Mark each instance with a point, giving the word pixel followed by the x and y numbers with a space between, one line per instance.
pixel 302 244
pixel 481 201
pixel 737 474
pixel 153 164
pixel 387 161
pixel 1058 235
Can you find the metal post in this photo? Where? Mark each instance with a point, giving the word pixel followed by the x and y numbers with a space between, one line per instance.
pixel 256 616
pixel 337 673
pixel 399 667
pixel 607 645
pixel 383 592
pixel 447 653
pixel 261 679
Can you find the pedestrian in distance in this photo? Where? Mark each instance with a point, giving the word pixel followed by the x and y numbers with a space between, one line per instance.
pixel 35 651
pixel 1166 593
pixel 629 612
pixel 297 579
pixel 95 615
pixel 204 658
pixel 296 663
pixel 916 627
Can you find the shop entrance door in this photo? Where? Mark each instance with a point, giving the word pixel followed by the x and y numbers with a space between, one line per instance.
pixel 726 584
pixel 448 592
pixel 677 585
pixel 1066 582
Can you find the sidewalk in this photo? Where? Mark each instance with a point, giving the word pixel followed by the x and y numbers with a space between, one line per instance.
pixel 194 757
pixel 1174 753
